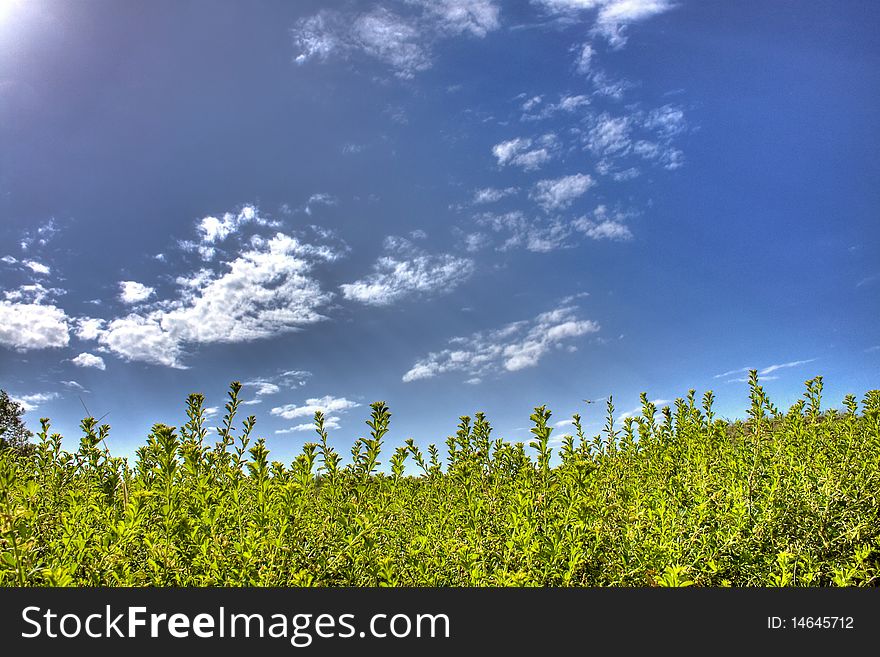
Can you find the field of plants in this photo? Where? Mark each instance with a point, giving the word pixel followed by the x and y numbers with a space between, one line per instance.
pixel 674 497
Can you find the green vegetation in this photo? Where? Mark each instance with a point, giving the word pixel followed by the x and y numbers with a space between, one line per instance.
pixel 672 498
pixel 13 433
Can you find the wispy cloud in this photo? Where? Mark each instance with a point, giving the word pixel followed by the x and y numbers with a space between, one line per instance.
pixel 610 135
pixel 402 40
pixel 319 199
pixel 513 347
pixel 273 385
pixel 527 153
pixel 637 411
pixel 539 235
pixel 762 372
pixel 868 280
pixel 603 225
pixel 646 135
pixel 492 194
pixel 33 402
pixel 610 17
pixel 560 193
pixel 40 236
pixel 535 110
pixel 408 271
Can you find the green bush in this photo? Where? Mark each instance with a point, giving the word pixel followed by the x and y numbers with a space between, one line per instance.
pixel 672 498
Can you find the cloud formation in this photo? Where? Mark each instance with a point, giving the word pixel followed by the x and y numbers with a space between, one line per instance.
pixel 408 271
pixel 610 17
pixel 132 292
pixel 27 326
pixel 560 193
pixel 526 153
pixel 402 39
pixel 86 359
pixel 327 404
pixel 516 346
pixel 33 402
pixel 762 372
pixel 267 290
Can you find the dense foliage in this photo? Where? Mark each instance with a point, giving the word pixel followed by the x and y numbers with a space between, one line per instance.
pixel 13 432
pixel 673 497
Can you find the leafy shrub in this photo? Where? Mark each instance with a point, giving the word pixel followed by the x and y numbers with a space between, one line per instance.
pixel 677 497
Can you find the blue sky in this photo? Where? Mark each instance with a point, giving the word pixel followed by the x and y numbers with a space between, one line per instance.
pixel 451 206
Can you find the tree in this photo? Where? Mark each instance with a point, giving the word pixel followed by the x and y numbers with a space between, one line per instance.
pixel 13 433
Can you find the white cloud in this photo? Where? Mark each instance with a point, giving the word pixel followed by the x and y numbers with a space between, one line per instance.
pixel 531 103
pixel 637 411
pixel 393 40
pixel 571 103
pixel 316 36
pixel 32 293
pixel 40 236
pixel 615 15
pixel 474 242
pixel 266 291
pixel 32 402
pixel 868 280
pixel 603 225
pixel 327 405
pixel 26 326
pixel 537 235
pixel 142 338
pixel 132 292
pixel 762 372
pixel 603 85
pixel 567 103
pixel 794 363
pixel 610 135
pixel 403 42
pixel 213 229
pixel 37 267
pixel 612 17
pixel 492 194
pixel 560 193
pixel 320 198
pixel 263 387
pixel 667 121
pixel 9 260
pixel 526 153
pixel 584 61
pixel 455 17
pixel 88 328
pixel 73 385
pixel 410 271
pixel 89 360
pixel 513 347
pixel 330 423
pixel 604 230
